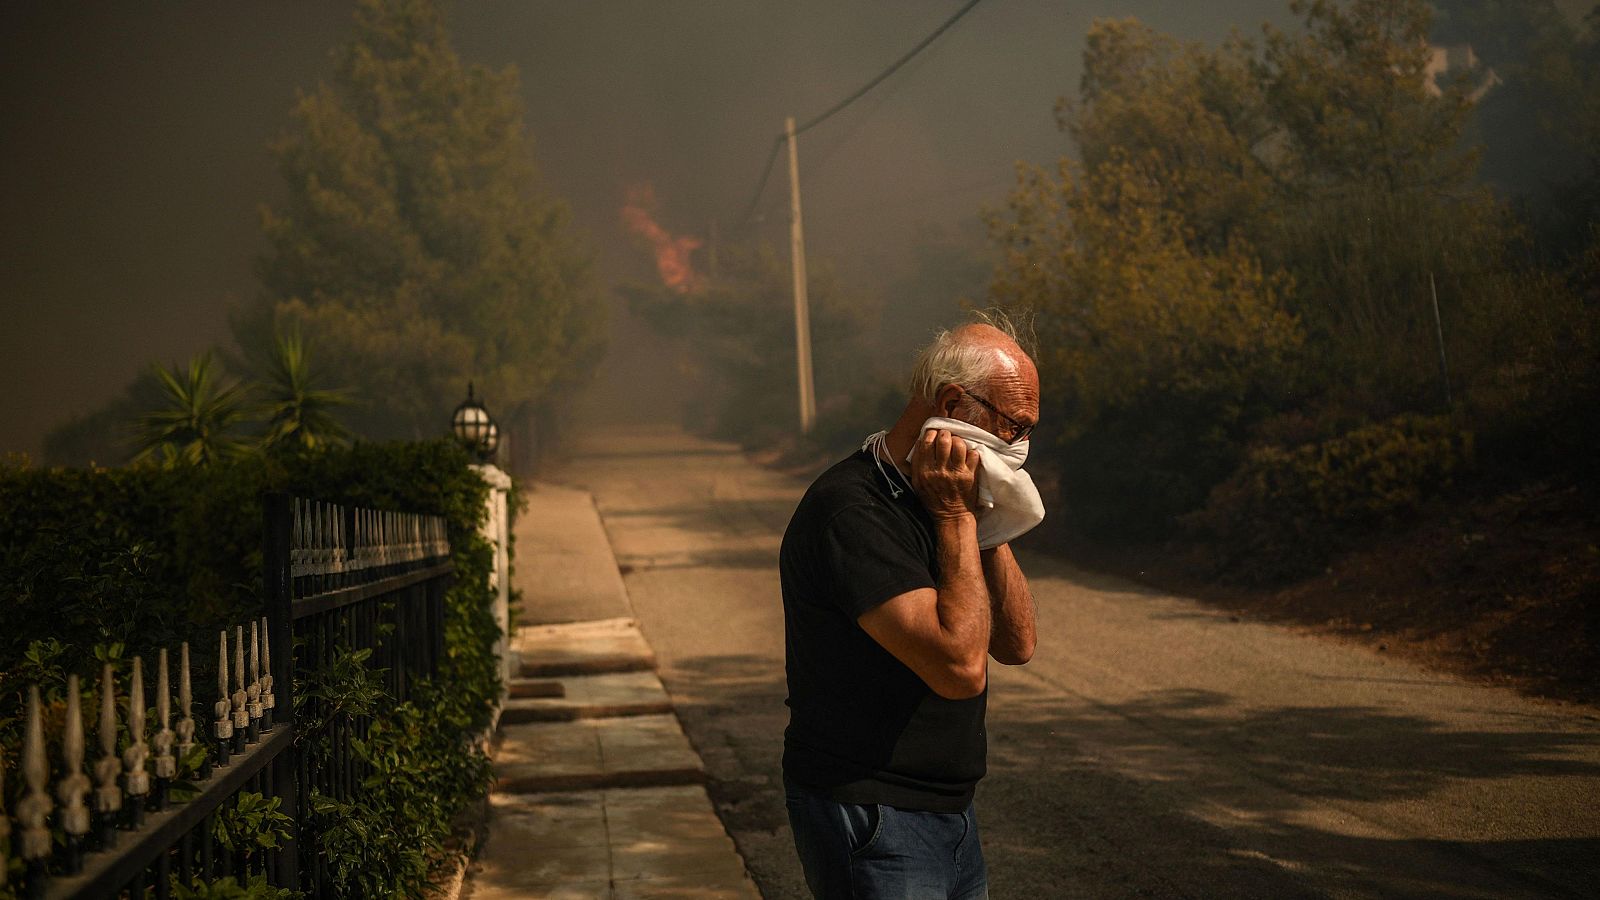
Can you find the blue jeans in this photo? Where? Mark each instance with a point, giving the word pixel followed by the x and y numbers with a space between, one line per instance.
pixel 878 852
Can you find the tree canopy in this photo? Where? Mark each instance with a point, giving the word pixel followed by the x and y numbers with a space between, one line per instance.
pixel 1252 248
pixel 416 246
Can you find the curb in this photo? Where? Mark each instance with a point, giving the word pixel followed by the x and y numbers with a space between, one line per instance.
pixel 595 781
pixel 597 665
pixel 520 716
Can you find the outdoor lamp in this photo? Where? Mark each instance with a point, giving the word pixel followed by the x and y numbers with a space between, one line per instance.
pixel 491 439
pixel 474 426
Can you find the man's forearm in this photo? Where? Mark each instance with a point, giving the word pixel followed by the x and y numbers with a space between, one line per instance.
pixel 963 603
pixel 1011 610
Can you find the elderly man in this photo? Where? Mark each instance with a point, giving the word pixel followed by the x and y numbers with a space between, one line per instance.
pixel 891 610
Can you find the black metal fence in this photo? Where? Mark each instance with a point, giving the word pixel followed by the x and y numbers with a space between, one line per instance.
pixel 337 579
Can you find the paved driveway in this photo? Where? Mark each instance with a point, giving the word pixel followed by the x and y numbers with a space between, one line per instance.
pixel 1154 747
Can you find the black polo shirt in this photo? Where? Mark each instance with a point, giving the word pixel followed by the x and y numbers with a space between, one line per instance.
pixel 863 727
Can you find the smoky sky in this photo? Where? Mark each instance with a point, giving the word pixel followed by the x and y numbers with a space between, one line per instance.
pixel 133 155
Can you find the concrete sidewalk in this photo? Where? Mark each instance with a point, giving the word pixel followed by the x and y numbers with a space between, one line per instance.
pixel 598 793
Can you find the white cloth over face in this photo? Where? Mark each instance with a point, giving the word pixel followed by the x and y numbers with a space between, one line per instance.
pixel 1009 505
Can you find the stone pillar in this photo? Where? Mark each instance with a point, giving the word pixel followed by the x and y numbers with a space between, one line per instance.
pixel 497 530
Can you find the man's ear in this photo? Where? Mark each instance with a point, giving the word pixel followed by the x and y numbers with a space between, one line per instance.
pixel 946 401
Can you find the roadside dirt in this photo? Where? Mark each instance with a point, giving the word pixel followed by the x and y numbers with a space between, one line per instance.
pixel 1504 589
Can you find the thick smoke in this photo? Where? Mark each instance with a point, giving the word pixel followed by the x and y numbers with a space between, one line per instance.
pixel 134 158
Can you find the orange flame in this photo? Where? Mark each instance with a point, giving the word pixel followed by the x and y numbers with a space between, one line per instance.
pixel 672 253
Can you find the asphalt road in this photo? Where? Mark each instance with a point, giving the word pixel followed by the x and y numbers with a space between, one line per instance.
pixel 1154 747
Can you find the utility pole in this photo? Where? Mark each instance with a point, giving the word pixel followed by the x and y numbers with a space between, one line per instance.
pixel 802 311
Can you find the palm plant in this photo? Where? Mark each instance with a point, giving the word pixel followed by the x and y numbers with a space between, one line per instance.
pixel 199 420
pixel 298 412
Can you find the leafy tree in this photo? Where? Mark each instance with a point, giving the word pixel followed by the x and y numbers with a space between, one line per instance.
pixel 415 244
pixel 1156 355
pixel 201 418
pixel 1376 194
pixel 1350 93
pixel 1193 118
pixel 298 412
pixel 1324 149
pixel 1261 221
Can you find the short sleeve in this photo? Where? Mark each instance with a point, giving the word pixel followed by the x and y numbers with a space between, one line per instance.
pixel 868 556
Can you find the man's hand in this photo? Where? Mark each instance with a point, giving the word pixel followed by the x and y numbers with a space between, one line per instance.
pixel 944 473
pixel 942 633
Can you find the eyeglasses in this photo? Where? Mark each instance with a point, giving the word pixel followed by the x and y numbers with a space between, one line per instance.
pixel 1018 432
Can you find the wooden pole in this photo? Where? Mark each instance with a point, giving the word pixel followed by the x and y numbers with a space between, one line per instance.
pixel 802 311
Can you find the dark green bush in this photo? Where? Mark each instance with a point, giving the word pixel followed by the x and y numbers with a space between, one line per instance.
pixel 1285 511
pixel 1143 465
pixel 109 563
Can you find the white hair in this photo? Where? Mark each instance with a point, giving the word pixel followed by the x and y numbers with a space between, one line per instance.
pixel 949 360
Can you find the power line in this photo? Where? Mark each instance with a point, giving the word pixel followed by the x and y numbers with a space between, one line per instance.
pixel 777 142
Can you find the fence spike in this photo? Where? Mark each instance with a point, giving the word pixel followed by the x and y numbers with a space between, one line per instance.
pixel 313 537
pixel 253 688
pixel 317 556
pixel 137 780
pixel 241 710
pixel 340 556
pixel 107 795
pixel 268 701
pixel 297 539
pixel 221 709
pixel 33 810
pixel 166 763
pixel 74 784
pixel 185 727
pixel 356 560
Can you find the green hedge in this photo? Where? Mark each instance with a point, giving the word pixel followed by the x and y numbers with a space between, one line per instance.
pixel 112 563
pixel 1285 511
